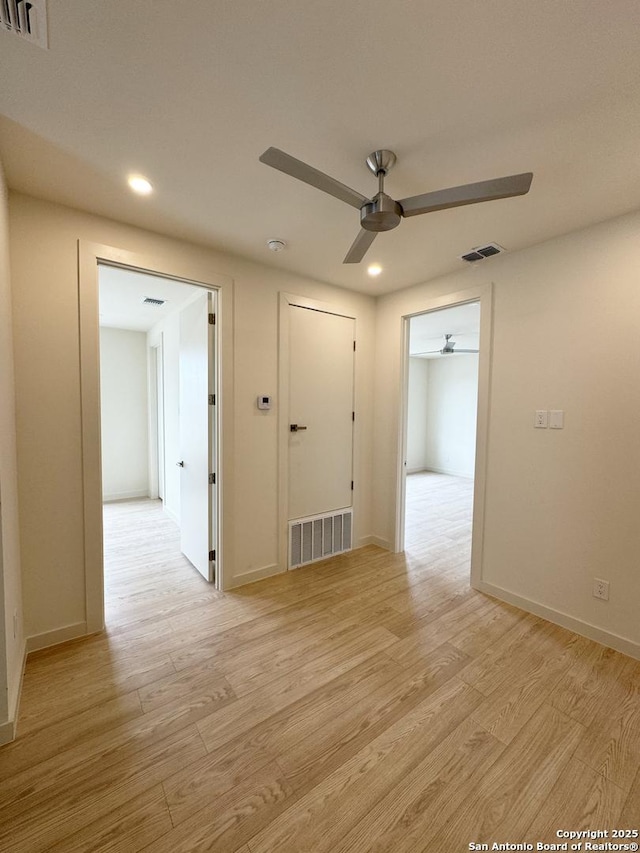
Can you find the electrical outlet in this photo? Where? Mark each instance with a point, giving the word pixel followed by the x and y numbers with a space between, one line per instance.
pixel 601 589
pixel 541 420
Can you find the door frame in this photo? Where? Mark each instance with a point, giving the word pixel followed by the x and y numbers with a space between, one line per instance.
pixel 483 294
pixel 155 362
pixel 286 300
pixel 190 271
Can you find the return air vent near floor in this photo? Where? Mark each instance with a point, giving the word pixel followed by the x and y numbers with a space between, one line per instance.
pixel 318 537
pixel 150 300
pixel 25 18
pixel 482 252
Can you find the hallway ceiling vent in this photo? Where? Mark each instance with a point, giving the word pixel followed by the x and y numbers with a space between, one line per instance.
pixel 151 300
pixel 27 19
pixel 482 252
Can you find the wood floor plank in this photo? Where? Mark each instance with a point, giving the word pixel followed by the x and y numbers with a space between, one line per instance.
pixel 56 739
pixel 337 803
pixel 320 740
pixel 319 678
pixel 36 823
pixel 126 829
pixel 372 701
pixel 630 815
pixel 509 796
pixel 581 799
pixel 109 745
pixel 396 821
pixel 507 709
pixel 228 822
pixel 169 689
pixel 215 774
pixel 611 745
pixel 587 683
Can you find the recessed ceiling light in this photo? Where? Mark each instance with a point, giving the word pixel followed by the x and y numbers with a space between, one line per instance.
pixel 374 269
pixel 140 185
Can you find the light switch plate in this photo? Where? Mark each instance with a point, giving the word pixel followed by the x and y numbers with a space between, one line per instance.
pixel 556 419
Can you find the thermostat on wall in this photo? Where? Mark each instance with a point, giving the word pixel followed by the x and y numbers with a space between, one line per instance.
pixel 264 402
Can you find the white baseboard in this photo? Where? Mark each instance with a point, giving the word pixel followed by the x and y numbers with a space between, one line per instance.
pixel 417 470
pixel 606 638
pixel 363 541
pixel 58 635
pixel 7 732
pixel 125 496
pixel 255 575
pixel 464 474
pixel 374 540
pixel 8 728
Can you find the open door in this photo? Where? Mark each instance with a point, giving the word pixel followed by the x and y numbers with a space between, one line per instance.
pixel 197 400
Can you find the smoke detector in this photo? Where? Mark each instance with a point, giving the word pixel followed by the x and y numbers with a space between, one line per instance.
pixel 482 252
pixel 276 245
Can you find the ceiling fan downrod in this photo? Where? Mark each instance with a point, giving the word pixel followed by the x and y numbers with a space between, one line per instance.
pixel 382 213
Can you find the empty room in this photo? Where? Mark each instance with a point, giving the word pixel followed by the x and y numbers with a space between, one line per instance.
pixel 322 536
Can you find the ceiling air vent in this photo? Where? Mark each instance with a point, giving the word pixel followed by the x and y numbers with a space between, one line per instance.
pixel 482 252
pixel 150 300
pixel 25 18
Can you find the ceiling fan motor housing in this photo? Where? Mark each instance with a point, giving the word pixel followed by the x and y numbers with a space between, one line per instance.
pixel 382 213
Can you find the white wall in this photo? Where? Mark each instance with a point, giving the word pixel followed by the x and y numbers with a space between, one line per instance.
pixel 561 506
pixel 12 648
pixel 417 413
pixel 451 415
pixel 45 288
pixel 124 414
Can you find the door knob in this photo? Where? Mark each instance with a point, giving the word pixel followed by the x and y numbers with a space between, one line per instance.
pixel 296 427
pixel 180 464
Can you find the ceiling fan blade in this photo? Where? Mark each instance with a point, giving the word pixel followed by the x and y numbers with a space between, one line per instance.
pixel 360 246
pixel 297 169
pixel 466 350
pixel 467 194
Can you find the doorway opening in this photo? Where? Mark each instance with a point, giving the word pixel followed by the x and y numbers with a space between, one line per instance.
pixel 158 386
pixel 441 405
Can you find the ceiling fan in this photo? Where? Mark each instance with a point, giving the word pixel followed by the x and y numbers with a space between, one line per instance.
pixel 382 213
pixel 447 349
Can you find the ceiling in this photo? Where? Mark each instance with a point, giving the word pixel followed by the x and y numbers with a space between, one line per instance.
pixel 191 94
pixel 122 294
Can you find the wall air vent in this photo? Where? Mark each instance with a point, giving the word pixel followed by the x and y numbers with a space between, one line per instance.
pixel 25 18
pixel 318 537
pixel 482 252
pixel 151 300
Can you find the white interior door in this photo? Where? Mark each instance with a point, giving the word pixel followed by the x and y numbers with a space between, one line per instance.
pixel 321 360
pixel 197 493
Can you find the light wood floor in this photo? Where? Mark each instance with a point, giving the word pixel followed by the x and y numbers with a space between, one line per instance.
pixel 369 703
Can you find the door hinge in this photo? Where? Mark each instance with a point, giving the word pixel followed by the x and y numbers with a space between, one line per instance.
pixel 212 319
pixel 352 485
pixel 212 399
pixel 354 346
pixel 212 479
pixel 212 556
pixel 353 416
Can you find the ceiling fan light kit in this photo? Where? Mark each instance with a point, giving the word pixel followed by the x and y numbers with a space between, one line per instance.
pixel 383 213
